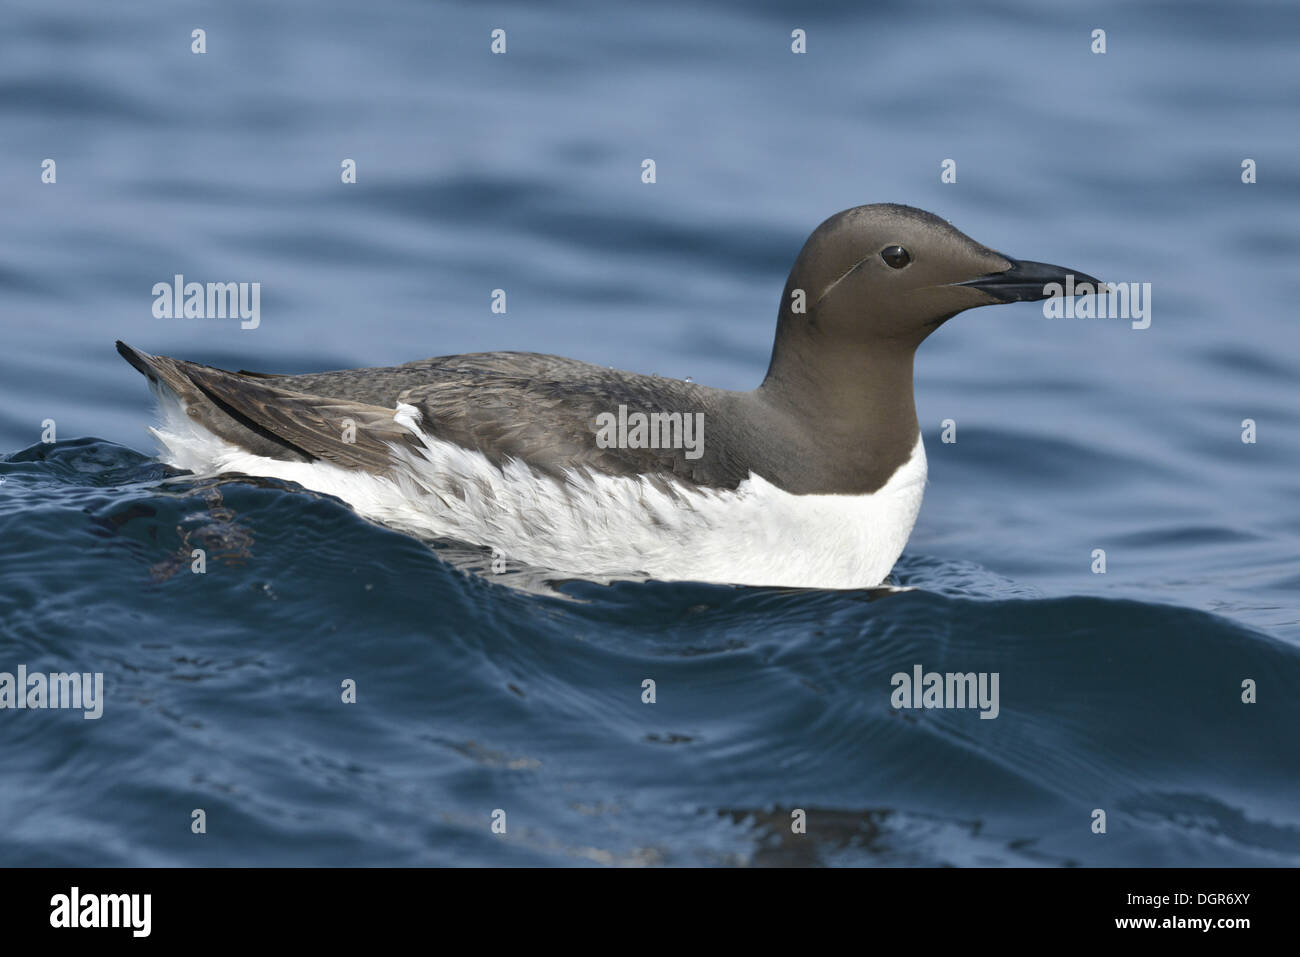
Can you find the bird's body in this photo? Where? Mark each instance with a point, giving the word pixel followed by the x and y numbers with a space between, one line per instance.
pixel 813 479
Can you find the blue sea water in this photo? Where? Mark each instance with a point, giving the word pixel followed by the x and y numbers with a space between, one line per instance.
pixel 1119 691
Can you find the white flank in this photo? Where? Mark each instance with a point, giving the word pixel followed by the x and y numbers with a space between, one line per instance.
pixel 598 526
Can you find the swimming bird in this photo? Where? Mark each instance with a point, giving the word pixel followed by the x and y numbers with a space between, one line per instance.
pixel 812 479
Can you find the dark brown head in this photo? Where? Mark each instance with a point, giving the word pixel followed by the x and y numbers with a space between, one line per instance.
pixel 868 287
pixel 886 276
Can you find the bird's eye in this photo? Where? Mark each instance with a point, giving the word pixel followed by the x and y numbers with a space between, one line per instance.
pixel 896 257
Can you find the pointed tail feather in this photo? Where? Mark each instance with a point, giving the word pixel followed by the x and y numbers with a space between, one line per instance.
pixel 251 413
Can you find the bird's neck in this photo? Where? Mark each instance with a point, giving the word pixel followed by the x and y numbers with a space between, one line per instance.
pixel 843 390
pixel 847 416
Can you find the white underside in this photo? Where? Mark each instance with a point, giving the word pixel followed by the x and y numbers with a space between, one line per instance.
pixel 599 526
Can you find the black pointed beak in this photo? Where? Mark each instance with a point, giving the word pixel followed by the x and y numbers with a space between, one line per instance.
pixel 1029 281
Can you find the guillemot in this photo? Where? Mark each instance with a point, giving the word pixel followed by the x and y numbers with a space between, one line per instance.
pixel 813 479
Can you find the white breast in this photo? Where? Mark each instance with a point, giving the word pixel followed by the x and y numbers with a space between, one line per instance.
pixel 602 526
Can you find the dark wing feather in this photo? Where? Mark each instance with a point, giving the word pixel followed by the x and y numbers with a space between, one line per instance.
pixel 539 409
pixel 258 414
pixel 539 422
pixel 346 433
